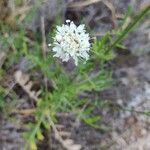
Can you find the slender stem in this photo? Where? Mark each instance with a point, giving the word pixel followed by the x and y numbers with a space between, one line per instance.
pixel 136 111
pixel 130 26
pixel 44 47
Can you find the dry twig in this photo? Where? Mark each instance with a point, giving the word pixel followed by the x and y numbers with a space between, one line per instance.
pixel 83 3
pixel 23 81
pixel 68 144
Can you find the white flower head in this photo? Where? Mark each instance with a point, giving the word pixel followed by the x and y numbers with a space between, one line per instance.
pixel 71 41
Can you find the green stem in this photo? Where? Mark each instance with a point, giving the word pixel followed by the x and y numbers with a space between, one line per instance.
pixel 130 26
pixel 137 111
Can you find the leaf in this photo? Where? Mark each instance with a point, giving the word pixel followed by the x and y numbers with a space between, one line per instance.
pixel 101 52
pixel 33 146
pixel 39 135
pixel 92 121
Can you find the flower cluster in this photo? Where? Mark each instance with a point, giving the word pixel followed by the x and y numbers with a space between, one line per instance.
pixel 71 41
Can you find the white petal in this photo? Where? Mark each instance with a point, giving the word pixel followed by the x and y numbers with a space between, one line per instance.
pixel 58 37
pixel 55 49
pixel 80 28
pixel 75 60
pixel 68 21
pixel 72 26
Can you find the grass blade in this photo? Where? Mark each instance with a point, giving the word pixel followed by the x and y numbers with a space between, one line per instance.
pixel 130 26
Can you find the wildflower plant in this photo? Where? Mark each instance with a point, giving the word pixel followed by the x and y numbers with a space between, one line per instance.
pixel 70 42
pixel 67 91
